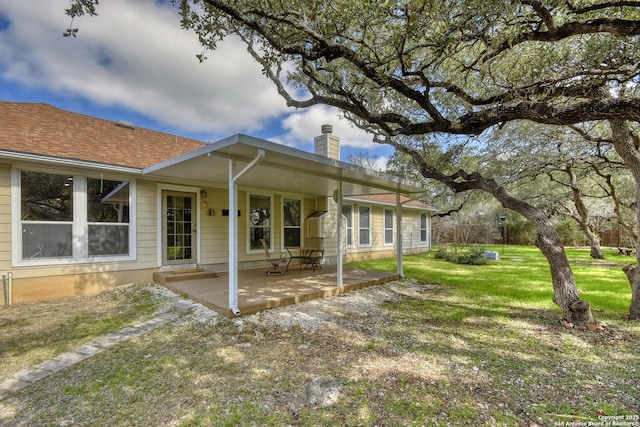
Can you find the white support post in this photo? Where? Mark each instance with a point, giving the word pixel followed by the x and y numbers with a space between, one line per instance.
pixel 340 232
pixel 233 240
pixel 399 247
pixel 233 228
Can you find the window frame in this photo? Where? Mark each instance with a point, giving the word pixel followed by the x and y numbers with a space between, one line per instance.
pixel 271 197
pixel 349 225
pixel 369 243
pixel 385 229
pixel 424 229
pixel 79 224
pixel 299 227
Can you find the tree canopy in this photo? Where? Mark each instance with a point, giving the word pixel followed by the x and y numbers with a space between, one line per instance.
pixel 414 72
pixel 418 67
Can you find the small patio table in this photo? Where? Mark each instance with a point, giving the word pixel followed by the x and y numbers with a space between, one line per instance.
pixel 304 256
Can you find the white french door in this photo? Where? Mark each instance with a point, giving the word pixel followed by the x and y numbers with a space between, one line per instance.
pixel 179 242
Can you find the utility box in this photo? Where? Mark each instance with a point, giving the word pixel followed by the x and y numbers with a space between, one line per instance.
pixel 492 255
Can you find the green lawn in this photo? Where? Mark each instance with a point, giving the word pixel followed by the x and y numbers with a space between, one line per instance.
pixel 521 278
pixel 455 345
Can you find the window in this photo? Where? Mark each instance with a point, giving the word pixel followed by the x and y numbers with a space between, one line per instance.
pixel 388 227
pixel 72 218
pixel 347 211
pixel 364 224
pixel 291 222
pixel 108 217
pixel 46 211
pixel 179 231
pixel 423 227
pixel 259 221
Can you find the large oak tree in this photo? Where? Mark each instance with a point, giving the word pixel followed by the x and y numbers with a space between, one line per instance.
pixel 406 69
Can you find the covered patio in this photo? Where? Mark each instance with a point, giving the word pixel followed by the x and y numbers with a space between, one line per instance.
pixel 259 292
pixel 269 167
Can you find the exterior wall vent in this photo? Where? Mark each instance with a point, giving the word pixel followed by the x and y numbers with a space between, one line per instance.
pixel 125 124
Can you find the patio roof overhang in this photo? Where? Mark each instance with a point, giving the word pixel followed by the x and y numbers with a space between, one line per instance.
pixel 250 162
pixel 282 169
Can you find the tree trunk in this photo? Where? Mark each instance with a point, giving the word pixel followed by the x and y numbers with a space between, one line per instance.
pixel 565 291
pixel 594 242
pixel 633 275
pixel 584 219
pixel 627 148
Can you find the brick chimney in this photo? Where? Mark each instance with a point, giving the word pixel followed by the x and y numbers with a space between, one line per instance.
pixel 327 144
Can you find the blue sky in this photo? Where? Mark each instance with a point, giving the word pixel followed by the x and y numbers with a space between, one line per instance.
pixel 134 63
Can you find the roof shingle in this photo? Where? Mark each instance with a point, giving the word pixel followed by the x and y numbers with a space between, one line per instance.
pixel 41 129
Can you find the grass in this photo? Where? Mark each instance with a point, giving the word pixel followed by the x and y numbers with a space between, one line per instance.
pixel 44 330
pixel 522 279
pixel 455 345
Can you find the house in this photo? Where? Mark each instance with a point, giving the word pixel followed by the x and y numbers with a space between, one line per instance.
pixel 89 204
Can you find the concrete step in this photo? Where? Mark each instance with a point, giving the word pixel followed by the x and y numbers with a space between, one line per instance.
pixel 164 277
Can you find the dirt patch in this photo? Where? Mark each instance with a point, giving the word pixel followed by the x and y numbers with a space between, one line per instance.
pixel 403 353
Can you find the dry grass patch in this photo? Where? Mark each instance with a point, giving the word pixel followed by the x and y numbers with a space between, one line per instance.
pixel 398 354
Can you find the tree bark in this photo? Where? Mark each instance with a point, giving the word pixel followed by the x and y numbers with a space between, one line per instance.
pixel 565 290
pixel 584 220
pixel 633 275
pixel 627 148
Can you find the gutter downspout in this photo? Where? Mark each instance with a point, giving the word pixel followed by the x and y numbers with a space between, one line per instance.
pixel 6 285
pixel 338 196
pixel 399 249
pixel 233 228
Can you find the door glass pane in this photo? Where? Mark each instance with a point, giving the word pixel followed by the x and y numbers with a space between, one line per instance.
pixel 179 241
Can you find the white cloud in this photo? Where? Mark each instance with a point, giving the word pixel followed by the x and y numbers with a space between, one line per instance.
pixel 134 55
pixel 302 126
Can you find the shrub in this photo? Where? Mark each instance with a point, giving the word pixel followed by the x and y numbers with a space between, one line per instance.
pixel 475 256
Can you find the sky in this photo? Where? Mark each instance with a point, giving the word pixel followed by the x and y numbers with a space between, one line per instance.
pixel 133 62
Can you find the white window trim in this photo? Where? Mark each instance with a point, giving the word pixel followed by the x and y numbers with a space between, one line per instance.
pixel 302 220
pixel 160 188
pixel 385 229
pixel 426 224
pixel 370 244
pixel 247 222
pixel 348 227
pixel 80 227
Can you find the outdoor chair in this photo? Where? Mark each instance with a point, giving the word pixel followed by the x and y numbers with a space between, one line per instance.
pixel 276 262
pixel 314 246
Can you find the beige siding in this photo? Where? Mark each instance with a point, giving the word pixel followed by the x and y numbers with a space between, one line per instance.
pixel 214 229
pixel 147 224
pixel 378 249
pixel 60 280
pixel 40 282
pixel 5 217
